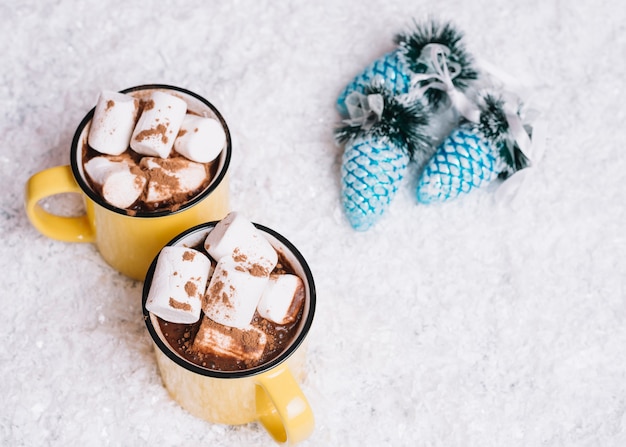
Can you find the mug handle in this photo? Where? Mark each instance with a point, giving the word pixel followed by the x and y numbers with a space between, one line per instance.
pixel 47 183
pixel 282 408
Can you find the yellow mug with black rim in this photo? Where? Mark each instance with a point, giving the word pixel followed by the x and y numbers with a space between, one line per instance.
pixel 128 241
pixel 269 393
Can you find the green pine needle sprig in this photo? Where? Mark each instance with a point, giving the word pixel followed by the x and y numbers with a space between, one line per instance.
pixel 494 125
pixel 403 123
pixel 411 43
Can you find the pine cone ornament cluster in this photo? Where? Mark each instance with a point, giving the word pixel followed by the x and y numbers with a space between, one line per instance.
pixel 389 112
pixel 473 155
pixel 417 66
pixel 380 140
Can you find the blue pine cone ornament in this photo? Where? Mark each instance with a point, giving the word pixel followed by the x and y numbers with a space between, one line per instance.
pixel 428 61
pixel 475 154
pixel 381 136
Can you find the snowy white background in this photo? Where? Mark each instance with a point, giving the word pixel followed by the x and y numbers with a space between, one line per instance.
pixel 473 323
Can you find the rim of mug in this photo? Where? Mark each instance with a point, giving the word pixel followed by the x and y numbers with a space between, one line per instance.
pixel 215 182
pixel 283 356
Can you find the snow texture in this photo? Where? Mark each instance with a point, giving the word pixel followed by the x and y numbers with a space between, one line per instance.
pixel 472 323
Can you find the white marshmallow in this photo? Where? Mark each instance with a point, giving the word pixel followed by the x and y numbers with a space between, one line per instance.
pixel 178 284
pixel 121 186
pixel 98 168
pixel 282 298
pixel 176 175
pixel 200 139
pixel 158 125
pixel 236 237
pixel 245 344
pixel 233 294
pixel 113 122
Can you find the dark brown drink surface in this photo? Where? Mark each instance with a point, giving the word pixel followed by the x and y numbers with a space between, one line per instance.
pixel 141 205
pixel 180 336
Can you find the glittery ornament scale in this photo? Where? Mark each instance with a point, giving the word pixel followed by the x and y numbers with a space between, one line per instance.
pixel 371 171
pixel 464 161
pixel 390 71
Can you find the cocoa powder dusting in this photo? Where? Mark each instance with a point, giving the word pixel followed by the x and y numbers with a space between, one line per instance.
pixel 174 304
pixel 248 339
pixel 225 298
pixel 258 270
pixel 266 327
pixel 110 105
pixel 140 176
pixel 161 179
pixel 216 288
pixel 147 105
pixel 217 293
pixel 191 289
pixel 173 164
pixel 238 256
pixel 160 130
pixel 189 255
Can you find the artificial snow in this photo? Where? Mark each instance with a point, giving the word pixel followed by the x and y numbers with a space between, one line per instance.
pixel 472 323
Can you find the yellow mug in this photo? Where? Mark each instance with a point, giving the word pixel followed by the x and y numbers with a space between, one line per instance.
pixel 268 393
pixel 128 242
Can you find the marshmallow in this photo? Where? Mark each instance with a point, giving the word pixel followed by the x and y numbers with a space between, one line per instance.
pixel 158 125
pixel 236 237
pixel 200 139
pixel 233 294
pixel 167 177
pixel 121 185
pixel 113 122
pixel 178 284
pixel 282 298
pixel 245 344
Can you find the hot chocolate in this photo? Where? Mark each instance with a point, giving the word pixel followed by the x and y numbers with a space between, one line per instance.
pixel 248 314
pixel 146 152
pixel 277 336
